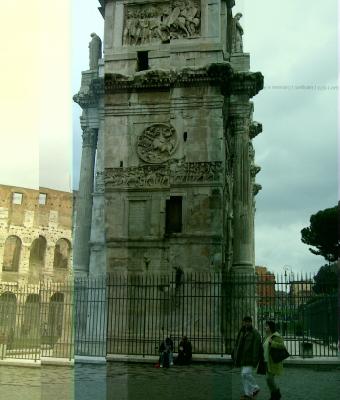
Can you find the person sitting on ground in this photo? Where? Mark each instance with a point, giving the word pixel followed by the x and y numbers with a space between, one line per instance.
pixel 166 353
pixel 184 352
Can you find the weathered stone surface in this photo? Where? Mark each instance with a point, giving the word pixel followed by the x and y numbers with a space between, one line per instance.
pixel 175 130
pixel 173 184
pixel 39 230
pixel 161 21
pixel 175 172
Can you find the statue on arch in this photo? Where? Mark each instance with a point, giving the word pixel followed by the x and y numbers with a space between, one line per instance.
pixel 237 33
pixel 95 51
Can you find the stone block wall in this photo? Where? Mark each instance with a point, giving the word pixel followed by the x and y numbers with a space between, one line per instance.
pixel 49 223
pixel 140 177
pixel 177 33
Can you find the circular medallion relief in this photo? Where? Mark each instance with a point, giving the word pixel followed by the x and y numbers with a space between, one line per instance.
pixel 157 143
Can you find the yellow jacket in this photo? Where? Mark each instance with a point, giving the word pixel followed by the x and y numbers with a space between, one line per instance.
pixel 278 343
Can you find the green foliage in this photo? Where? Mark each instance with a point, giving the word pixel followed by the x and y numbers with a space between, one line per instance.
pixel 323 234
pixel 327 279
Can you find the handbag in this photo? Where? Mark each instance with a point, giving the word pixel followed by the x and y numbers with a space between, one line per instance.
pixel 278 355
pixel 261 367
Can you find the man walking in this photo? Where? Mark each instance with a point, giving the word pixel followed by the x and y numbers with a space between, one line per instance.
pixel 246 354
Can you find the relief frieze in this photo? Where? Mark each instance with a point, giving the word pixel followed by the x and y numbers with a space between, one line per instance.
pixel 161 22
pixel 172 173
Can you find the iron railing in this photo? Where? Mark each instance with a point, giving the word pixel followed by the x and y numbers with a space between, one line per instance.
pixel 132 313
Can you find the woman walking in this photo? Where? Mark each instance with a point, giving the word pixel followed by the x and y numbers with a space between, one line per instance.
pixel 272 340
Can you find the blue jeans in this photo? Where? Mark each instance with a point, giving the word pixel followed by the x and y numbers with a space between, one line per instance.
pixel 163 355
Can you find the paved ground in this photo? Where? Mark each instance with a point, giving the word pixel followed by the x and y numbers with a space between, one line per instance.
pixel 121 381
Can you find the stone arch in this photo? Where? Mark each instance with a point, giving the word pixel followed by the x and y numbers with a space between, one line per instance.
pixel 55 316
pixel 31 323
pixel 12 251
pixel 8 311
pixel 62 253
pixel 37 257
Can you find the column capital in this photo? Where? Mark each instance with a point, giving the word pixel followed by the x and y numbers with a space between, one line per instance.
pixel 89 137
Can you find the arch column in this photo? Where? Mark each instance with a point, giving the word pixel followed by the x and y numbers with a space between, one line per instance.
pixel 242 190
pixel 242 285
pixel 82 229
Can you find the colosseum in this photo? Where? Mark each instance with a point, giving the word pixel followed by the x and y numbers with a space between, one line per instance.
pixel 35 270
pixel 35 234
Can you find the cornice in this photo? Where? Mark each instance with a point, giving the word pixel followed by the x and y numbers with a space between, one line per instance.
pixel 246 83
pixel 217 74
pixel 90 97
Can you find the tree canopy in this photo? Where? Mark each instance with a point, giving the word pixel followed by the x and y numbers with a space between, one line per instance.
pixel 323 234
pixel 327 279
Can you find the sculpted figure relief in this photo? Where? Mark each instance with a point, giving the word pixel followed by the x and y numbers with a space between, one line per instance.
pixel 172 172
pixel 161 22
pixel 157 143
pixel 95 51
pixel 237 43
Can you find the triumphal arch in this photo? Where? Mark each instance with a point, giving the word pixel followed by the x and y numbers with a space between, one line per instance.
pixel 168 174
pixel 167 180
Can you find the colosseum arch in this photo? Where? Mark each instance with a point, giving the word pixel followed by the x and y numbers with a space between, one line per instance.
pixel 62 253
pixel 55 316
pixel 37 258
pixel 12 250
pixel 31 323
pixel 8 311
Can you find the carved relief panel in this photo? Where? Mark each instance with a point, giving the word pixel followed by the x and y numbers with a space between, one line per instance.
pixel 163 175
pixel 157 143
pixel 161 21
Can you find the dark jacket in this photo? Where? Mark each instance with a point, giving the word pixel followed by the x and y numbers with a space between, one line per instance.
pixel 166 346
pixel 184 352
pixel 248 348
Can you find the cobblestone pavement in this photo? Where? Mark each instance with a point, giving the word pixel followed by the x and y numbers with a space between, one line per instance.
pixel 120 381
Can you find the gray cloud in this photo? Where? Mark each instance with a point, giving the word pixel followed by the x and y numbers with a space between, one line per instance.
pixel 292 46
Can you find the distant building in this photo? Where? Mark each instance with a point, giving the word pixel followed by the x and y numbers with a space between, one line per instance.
pixel 35 246
pixel 35 234
pixel 301 291
pixel 282 297
pixel 266 286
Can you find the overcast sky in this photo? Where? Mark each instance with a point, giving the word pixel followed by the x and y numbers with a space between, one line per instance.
pixel 293 43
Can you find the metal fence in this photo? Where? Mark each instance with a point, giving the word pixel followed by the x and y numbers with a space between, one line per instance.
pixel 132 313
pixel 36 320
